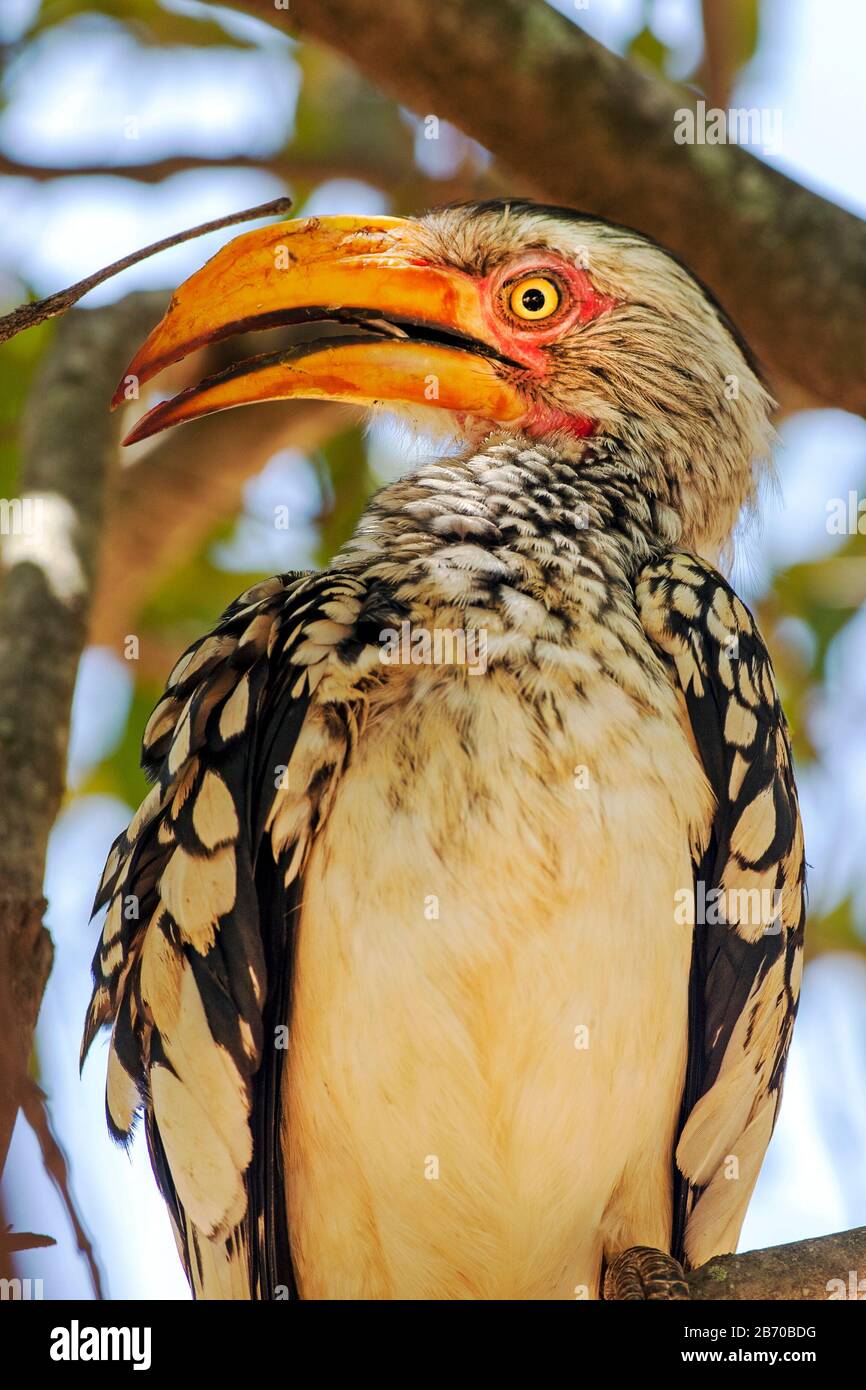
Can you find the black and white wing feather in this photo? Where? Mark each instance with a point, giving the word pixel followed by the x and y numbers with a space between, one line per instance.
pixel 192 972
pixel 750 882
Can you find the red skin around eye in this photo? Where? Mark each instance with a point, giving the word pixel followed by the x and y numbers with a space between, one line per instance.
pixel 526 344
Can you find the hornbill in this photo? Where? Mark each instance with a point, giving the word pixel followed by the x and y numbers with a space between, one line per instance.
pixel 468 971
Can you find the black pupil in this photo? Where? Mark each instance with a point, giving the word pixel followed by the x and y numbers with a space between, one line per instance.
pixel 533 300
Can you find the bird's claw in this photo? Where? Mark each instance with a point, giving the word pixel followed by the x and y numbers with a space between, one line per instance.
pixel 642 1272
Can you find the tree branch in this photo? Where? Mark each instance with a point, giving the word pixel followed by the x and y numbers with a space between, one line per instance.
pixel 379 173
pixel 826 1267
pixel 49 555
pixel 582 126
pixel 27 315
pixel 398 178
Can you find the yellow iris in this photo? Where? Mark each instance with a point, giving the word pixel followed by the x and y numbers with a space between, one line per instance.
pixel 534 299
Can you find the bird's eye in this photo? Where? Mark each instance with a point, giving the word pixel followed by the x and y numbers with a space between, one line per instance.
pixel 534 299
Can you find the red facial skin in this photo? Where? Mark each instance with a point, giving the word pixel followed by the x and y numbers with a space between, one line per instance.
pixel 525 342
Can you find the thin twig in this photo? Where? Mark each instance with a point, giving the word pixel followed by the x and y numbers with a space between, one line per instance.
pixel 16 1241
pixel 718 68
pixel 35 1110
pixel 27 315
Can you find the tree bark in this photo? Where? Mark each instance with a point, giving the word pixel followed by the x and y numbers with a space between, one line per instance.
pixel 580 125
pixel 50 557
pixel 824 1268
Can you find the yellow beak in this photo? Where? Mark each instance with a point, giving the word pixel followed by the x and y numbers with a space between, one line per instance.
pixel 424 336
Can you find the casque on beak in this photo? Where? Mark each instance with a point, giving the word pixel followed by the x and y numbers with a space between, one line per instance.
pixel 424 332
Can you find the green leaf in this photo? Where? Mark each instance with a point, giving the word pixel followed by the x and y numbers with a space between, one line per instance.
pixel 649 49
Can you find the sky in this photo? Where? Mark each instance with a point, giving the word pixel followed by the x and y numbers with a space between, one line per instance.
pixel 92 95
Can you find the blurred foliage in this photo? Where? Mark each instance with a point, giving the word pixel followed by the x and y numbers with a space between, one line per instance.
pixel 340 113
pixel 743 20
pixel 19 358
pixel 648 48
pixel 736 31
pixel 206 591
pixel 120 774
pixel 344 126
pixel 149 21
pixel 835 930
pixel 346 483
